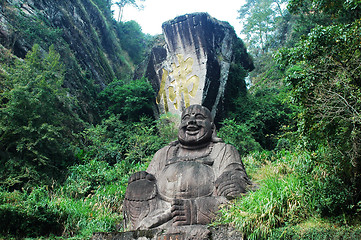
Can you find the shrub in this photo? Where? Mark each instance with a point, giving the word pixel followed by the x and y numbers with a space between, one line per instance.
pixel 276 202
pixel 328 231
pixel 90 201
pixel 132 39
pixel 328 191
pixel 36 121
pixel 239 135
pixel 115 140
pixel 167 125
pixel 323 71
pixel 28 214
pixel 129 101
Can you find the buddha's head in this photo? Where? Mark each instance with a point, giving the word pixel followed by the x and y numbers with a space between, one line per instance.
pixel 196 126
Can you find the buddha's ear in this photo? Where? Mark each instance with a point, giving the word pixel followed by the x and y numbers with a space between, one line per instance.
pixel 214 134
pixel 213 127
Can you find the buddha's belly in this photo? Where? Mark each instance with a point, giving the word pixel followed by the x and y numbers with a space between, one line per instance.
pixel 186 180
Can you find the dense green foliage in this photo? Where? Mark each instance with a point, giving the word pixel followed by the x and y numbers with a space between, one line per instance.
pixel 93 46
pixel 133 40
pixel 263 17
pixel 294 187
pixel 115 140
pixel 323 71
pixel 265 114
pixel 90 200
pixel 128 100
pixel 61 176
pixel 36 121
pixel 297 127
pixel 309 185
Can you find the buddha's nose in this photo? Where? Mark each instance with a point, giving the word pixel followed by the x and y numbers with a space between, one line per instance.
pixel 192 119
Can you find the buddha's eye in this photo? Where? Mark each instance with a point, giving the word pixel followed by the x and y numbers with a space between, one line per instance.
pixel 200 117
pixel 185 117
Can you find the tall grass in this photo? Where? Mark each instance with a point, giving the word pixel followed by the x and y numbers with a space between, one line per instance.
pixel 278 201
pixel 293 187
pixel 90 201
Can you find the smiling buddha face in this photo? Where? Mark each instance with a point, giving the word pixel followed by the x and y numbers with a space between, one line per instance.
pixel 196 126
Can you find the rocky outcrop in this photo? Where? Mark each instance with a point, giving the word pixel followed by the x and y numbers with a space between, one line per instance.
pixel 193 65
pixel 82 31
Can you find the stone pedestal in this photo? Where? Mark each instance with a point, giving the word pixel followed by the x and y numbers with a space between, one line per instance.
pixel 178 233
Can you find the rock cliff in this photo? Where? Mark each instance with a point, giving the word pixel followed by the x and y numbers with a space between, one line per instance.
pixel 82 31
pixel 193 66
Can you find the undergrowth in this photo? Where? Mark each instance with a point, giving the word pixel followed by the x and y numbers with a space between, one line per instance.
pixel 90 201
pixel 292 191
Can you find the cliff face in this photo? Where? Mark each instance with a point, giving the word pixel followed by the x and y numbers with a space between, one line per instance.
pixel 82 31
pixel 193 66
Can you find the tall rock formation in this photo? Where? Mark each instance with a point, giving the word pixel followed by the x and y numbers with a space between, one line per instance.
pixel 193 66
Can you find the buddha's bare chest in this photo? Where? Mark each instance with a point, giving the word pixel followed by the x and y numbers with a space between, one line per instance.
pixel 186 180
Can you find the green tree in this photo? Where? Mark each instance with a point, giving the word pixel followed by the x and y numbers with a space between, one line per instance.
pixel 36 121
pixel 261 19
pixel 335 10
pixel 115 140
pixel 324 72
pixel 133 40
pixel 266 115
pixel 122 3
pixel 128 100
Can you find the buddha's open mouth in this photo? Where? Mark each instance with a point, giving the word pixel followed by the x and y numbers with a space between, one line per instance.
pixel 192 129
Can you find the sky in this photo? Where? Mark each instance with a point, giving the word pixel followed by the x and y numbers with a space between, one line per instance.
pixel 156 12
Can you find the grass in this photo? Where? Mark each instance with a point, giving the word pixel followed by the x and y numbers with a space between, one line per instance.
pixel 284 206
pixel 319 229
pixel 57 212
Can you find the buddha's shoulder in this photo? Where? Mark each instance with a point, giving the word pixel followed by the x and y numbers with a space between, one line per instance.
pixel 170 147
pixel 223 146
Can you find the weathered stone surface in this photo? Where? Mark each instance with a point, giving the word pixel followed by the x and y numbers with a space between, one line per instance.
pixel 193 65
pixel 186 181
pixel 80 23
pixel 180 233
pixel 83 34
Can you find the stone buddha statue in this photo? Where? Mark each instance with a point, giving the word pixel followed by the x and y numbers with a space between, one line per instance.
pixel 187 180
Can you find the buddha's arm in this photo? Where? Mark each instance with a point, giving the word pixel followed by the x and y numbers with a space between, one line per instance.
pixel 232 180
pixel 232 184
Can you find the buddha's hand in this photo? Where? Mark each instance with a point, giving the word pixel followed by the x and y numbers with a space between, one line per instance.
pixel 141 175
pixel 231 184
pixel 201 210
pixel 182 212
